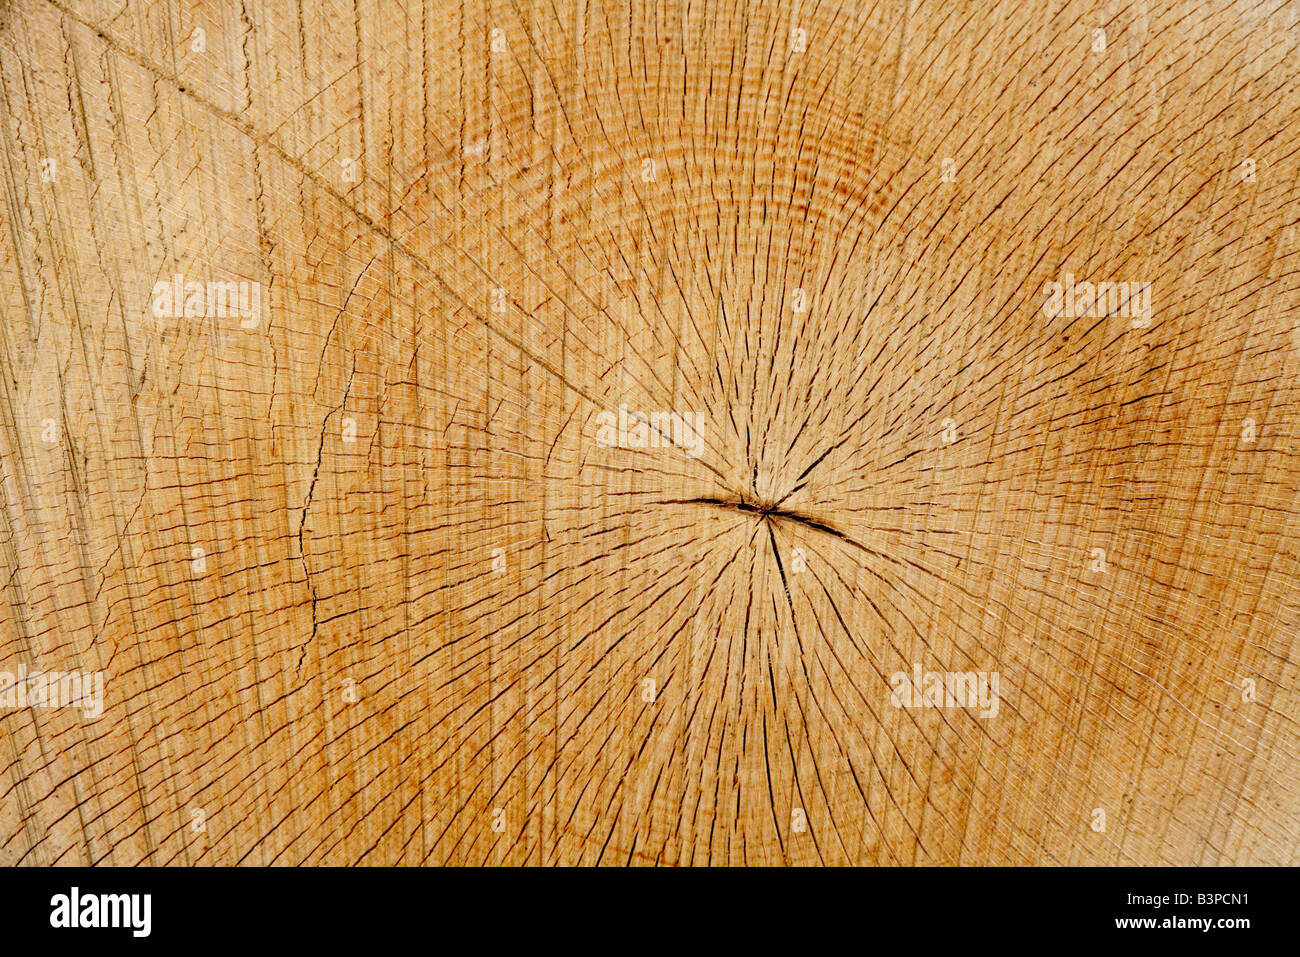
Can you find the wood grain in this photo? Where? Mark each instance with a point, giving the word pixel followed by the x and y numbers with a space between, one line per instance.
pixel 367 585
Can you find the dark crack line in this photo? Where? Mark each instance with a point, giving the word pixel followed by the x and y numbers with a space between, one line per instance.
pixel 771 512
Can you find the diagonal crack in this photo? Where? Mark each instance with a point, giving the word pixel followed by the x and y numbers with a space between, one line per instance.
pixel 770 512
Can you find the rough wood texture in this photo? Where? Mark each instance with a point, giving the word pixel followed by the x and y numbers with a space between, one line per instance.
pixel 367 584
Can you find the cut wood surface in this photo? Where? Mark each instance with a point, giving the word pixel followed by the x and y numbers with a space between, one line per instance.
pixel 785 432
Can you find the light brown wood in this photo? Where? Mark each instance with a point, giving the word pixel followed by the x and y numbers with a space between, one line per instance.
pixel 364 579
